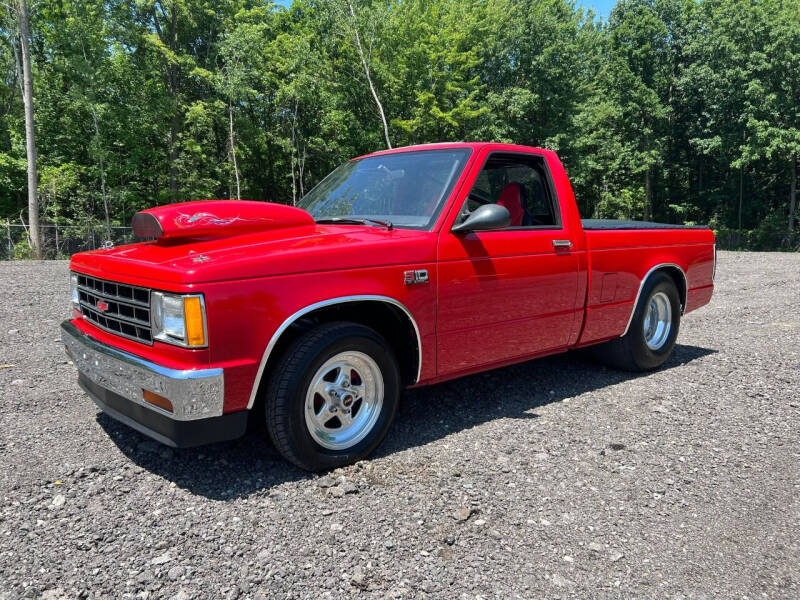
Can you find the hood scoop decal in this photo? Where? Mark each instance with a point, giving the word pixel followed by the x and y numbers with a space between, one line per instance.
pixel 216 219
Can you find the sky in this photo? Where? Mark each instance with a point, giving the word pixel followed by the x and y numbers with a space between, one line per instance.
pixel 601 7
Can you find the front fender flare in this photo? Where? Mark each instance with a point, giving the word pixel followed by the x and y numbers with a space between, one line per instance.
pixel 325 304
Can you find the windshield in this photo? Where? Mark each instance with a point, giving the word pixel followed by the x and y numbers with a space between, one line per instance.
pixel 406 189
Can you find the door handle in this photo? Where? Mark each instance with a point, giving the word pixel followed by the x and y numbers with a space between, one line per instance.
pixel 562 243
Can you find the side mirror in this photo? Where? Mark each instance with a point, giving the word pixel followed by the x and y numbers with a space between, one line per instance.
pixel 485 218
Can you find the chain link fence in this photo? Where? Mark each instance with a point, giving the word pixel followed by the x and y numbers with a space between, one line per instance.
pixel 62 241
pixel 58 241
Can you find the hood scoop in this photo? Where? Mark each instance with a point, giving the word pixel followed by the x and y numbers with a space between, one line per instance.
pixel 209 219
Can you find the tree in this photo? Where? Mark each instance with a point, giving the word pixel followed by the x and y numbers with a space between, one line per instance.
pixel 12 166
pixel 675 110
pixel 442 96
pixel 20 8
pixel 773 96
pixel 637 76
pixel 91 97
pixel 349 22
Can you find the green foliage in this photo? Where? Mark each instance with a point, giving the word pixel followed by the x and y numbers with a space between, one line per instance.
pixel 22 250
pixel 675 110
pixel 626 203
pixel 12 182
pixel 769 235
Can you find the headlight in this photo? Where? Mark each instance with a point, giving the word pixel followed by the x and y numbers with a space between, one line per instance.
pixel 73 289
pixel 179 319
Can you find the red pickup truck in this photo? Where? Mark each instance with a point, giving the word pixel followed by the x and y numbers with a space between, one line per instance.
pixel 401 268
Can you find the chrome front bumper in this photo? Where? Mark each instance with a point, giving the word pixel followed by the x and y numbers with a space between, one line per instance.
pixel 194 393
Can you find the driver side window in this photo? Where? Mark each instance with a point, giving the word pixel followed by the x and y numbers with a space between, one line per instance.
pixel 519 183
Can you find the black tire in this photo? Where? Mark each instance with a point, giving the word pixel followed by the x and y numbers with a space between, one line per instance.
pixel 631 352
pixel 291 378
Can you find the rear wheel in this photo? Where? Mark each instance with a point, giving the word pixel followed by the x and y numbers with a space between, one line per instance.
pixel 332 396
pixel 653 329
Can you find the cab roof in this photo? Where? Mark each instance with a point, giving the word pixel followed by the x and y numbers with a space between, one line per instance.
pixel 475 146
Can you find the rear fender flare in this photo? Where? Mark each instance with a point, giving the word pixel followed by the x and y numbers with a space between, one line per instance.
pixel 683 293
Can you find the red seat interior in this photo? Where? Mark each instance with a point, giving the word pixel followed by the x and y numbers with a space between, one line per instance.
pixel 511 199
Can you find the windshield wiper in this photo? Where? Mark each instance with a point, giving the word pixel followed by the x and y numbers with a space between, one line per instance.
pixel 354 221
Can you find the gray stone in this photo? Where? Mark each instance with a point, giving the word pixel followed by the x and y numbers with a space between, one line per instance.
pixel 162 559
pixel 615 556
pixel 263 555
pixel 560 580
pixel 462 514
pixel 146 576
pixel 359 577
pixel 349 488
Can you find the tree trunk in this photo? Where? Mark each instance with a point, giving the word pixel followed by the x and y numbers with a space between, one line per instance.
pixel 700 179
pixel 30 134
pixel 233 152
pixel 295 153
pixel 173 155
pixel 171 74
pixel 102 176
pixel 301 165
pixel 741 194
pixel 369 77
pixel 793 198
pixel 268 193
pixel 101 160
pixel 648 193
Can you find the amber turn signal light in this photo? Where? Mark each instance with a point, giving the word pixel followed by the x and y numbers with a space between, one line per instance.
pixel 156 400
pixel 193 315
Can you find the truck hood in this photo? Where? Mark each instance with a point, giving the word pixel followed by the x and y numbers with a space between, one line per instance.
pixel 285 243
pixel 215 219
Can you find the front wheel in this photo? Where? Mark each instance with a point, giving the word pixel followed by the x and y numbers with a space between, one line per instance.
pixel 653 329
pixel 332 396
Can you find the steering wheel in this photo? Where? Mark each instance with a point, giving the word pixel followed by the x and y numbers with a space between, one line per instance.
pixel 479 197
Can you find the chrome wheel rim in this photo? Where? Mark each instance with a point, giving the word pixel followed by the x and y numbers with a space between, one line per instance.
pixel 344 400
pixel 657 321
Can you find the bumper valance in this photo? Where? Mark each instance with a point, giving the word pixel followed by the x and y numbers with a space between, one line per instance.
pixel 194 393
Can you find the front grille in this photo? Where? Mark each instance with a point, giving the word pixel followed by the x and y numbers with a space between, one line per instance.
pixel 127 307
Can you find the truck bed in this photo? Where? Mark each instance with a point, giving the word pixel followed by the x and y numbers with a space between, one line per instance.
pixel 617 224
pixel 622 253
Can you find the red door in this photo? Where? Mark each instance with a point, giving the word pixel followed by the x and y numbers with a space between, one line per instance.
pixel 510 293
pixel 503 295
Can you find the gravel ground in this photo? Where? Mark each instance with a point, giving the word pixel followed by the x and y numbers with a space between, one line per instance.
pixel 554 478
